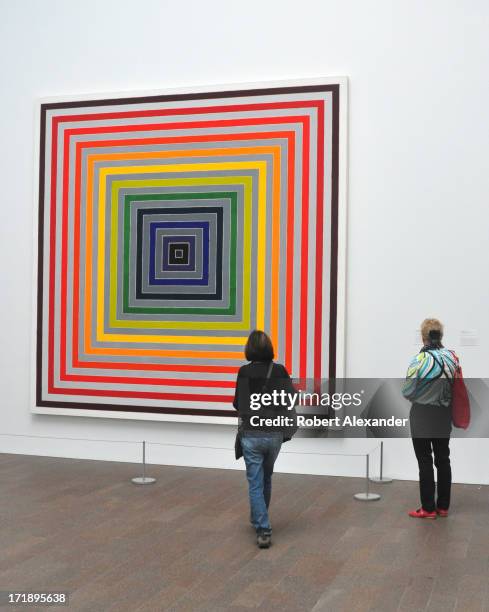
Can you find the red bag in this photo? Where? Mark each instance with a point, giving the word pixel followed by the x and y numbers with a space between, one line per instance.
pixel 460 400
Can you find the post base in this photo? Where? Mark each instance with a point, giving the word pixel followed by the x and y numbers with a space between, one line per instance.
pixel 383 480
pixel 367 496
pixel 143 480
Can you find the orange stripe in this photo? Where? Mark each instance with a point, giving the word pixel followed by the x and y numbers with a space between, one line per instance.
pixel 89 259
pixel 169 353
pixel 275 151
pixel 274 305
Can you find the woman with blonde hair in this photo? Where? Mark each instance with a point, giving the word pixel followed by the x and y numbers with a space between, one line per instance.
pixel 429 387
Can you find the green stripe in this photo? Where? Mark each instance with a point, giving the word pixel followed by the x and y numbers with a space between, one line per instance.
pixel 128 200
pixel 192 182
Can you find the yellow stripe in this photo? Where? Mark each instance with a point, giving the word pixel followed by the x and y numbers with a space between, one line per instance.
pixel 230 340
pixel 242 325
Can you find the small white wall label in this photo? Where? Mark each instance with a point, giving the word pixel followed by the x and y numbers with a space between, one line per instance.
pixel 469 337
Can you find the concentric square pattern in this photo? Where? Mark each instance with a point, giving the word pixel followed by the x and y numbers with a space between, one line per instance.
pixel 171 226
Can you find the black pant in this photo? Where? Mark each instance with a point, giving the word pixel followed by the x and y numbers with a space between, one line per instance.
pixel 425 448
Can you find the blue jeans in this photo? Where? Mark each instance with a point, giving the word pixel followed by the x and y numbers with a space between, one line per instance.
pixel 260 453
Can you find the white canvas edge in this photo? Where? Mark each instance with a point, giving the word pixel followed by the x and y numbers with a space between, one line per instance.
pixel 138 416
pixel 342 81
pixel 35 246
pixel 103 95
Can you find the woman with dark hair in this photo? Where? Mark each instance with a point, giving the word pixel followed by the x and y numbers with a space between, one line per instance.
pixel 261 443
pixel 429 386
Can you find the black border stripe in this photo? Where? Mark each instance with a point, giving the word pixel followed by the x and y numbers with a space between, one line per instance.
pixel 137 409
pixel 333 88
pixel 40 260
pixel 333 290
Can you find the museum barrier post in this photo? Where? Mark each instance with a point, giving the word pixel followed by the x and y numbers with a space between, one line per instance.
pixel 367 496
pixel 143 480
pixel 381 479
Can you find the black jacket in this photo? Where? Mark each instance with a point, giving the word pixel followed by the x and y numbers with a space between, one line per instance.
pixel 252 379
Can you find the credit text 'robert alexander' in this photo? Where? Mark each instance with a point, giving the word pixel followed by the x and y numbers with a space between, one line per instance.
pixel 315 421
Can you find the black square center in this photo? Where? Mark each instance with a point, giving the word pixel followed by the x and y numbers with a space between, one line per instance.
pixel 178 253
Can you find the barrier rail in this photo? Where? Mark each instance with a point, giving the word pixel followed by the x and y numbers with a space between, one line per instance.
pixel 366 495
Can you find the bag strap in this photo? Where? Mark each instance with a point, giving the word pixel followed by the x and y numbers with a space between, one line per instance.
pixel 458 368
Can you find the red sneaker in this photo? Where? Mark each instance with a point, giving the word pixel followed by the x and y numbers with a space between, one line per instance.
pixel 443 513
pixel 420 513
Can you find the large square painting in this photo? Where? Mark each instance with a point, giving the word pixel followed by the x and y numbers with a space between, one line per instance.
pixel 172 224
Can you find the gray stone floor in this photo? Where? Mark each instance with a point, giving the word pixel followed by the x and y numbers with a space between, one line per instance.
pixel 184 543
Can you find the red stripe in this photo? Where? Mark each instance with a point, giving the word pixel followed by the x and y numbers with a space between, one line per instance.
pixel 319 245
pixel 52 254
pixel 304 252
pixel 195 397
pixel 76 258
pixel 141 380
pixel 198 110
pixel 68 133
pixel 160 140
pixel 64 251
pixel 208 138
pixel 289 300
pixel 290 136
pixel 156 367
pixel 112 129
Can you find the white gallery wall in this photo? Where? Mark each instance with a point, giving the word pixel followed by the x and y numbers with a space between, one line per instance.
pixel 418 183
